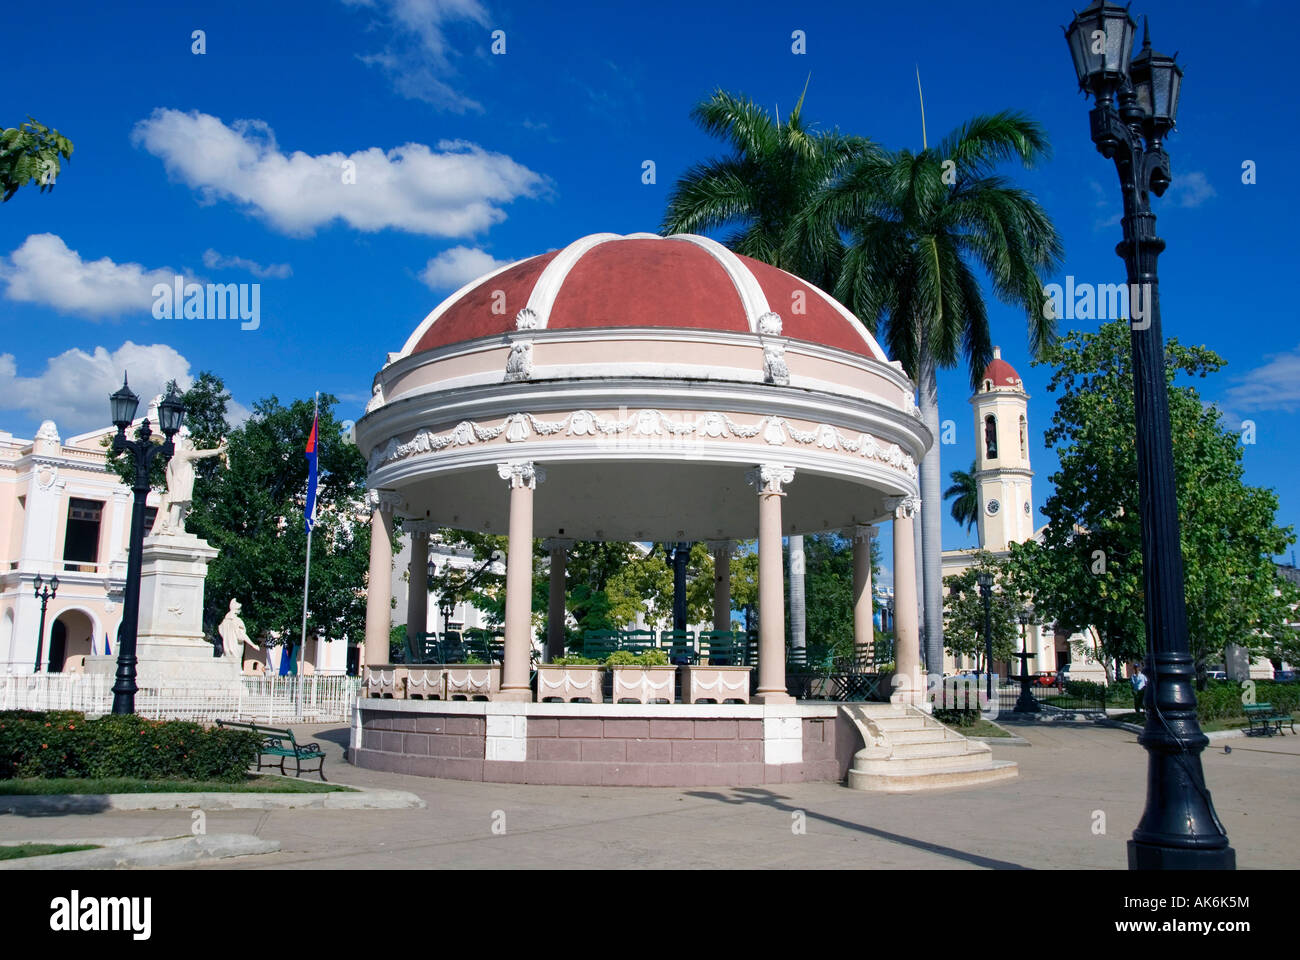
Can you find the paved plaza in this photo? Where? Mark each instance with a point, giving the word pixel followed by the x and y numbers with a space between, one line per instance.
pixel 1042 820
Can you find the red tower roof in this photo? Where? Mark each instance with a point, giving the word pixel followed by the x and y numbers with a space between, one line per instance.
pixel 1000 373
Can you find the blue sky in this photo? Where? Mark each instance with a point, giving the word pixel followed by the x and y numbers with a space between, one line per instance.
pixel 224 166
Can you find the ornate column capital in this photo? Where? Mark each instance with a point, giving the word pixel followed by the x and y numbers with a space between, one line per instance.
pixel 769 478
pixel 861 532
pixel 721 546
pixel 904 508
pixel 425 527
pixel 385 500
pixel 551 544
pixel 521 474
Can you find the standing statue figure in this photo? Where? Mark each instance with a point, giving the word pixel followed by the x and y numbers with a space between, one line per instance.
pixel 234 635
pixel 176 499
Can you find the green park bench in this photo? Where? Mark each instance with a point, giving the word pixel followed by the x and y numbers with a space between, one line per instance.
pixel 281 743
pixel 638 641
pixel 599 644
pixel 679 645
pixel 1263 718
pixel 722 648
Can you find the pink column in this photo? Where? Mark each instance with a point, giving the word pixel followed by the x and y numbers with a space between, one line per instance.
pixel 768 480
pixel 909 683
pixel 523 479
pixel 417 593
pixel 379 583
pixel 863 627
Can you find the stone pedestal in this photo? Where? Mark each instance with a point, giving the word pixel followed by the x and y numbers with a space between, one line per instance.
pixel 170 643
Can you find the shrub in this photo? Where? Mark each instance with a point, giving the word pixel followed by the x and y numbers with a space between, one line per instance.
pixel 575 661
pixel 646 658
pixel 957 718
pixel 66 744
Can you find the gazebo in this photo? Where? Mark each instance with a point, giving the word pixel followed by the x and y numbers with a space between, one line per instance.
pixel 633 388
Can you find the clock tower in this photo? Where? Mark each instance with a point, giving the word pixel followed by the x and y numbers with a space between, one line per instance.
pixel 1002 473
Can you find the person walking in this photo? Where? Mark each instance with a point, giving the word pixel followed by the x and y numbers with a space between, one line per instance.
pixel 1138 680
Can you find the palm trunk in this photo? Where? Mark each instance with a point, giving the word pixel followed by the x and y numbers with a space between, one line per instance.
pixel 797 614
pixel 931 519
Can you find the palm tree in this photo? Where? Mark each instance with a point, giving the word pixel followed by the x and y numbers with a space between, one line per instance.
pixel 774 171
pixel 920 225
pixel 966 508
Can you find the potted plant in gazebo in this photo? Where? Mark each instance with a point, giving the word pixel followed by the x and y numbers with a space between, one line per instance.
pixel 570 678
pixel 645 677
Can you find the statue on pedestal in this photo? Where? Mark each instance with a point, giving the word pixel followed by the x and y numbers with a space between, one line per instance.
pixel 233 633
pixel 176 499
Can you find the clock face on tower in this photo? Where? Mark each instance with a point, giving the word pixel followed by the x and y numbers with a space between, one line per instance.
pixel 993 507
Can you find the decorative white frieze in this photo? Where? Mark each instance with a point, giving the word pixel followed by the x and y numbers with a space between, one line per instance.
pixel 519 365
pixel 521 474
pixel 517 427
pixel 527 319
pixel 769 477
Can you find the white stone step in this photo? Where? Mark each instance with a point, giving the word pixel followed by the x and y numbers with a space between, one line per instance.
pixel 931 748
pixel 890 724
pixel 907 781
pixel 919 735
pixel 919 765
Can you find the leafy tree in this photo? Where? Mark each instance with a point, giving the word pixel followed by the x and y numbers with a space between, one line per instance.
pixel 830 594
pixel 645 585
pixel 1088 569
pixel 963 611
pixel 920 226
pixel 966 508
pixel 30 152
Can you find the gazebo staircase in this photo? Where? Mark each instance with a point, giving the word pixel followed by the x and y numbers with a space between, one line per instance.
pixel 908 750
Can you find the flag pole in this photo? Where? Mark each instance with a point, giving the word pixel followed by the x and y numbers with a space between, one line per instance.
pixel 306 577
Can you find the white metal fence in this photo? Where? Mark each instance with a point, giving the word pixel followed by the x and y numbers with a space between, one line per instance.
pixel 325 699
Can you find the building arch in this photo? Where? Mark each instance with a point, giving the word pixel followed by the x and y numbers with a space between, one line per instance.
pixel 72 634
pixel 990 437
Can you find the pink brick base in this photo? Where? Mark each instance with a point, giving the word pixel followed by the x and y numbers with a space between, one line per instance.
pixel 602 751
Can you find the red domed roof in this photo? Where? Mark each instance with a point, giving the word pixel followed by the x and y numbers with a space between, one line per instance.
pixel 1001 373
pixel 642 280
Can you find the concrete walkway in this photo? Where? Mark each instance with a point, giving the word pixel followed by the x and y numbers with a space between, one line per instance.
pixel 1043 820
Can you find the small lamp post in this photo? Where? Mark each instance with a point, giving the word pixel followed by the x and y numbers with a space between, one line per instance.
pixel 170 413
pixel 985 581
pixel 45 592
pixel 1179 828
pixel 1025 703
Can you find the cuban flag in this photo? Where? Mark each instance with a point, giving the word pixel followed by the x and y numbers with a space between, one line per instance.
pixel 309 509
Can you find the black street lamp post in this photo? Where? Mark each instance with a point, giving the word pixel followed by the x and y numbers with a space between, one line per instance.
pixel 1025 703
pixel 1179 828
pixel 985 581
pixel 143 450
pixel 45 592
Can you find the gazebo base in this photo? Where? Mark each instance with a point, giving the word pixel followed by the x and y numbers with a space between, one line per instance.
pixel 591 744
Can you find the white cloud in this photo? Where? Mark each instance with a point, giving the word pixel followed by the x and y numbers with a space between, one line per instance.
pixel 455 190
pixel 216 261
pixel 43 270
pixel 452 269
pixel 73 389
pixel 418 57
pixel 1190 189
pixel 1273 386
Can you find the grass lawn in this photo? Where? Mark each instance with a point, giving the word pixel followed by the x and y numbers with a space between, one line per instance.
pixel 982 728
pixel 41 849
pixel 253 784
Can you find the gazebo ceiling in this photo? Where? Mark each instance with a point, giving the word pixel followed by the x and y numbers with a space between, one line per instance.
pixel 646 500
